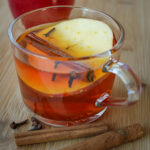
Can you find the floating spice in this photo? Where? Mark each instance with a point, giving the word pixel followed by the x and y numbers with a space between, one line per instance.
pixel 15 125
pixel 53 76
pixel 90 75
pixel 72 76
pixel 48 33
pixel 56 64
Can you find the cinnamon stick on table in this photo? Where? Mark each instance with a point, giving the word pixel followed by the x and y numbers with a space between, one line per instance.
pixel 55 134
pixel 109 139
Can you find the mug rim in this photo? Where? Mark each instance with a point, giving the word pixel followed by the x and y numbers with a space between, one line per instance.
pixel 106 53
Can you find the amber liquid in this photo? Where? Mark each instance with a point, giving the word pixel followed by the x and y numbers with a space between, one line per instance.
pixel 53 91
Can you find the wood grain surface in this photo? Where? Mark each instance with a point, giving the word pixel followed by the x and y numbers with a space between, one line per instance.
pixel 134 16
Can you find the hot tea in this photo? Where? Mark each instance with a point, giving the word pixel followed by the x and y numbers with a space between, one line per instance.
pixel 55 89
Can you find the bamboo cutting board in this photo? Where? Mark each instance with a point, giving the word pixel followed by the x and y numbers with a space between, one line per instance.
pixel 134 16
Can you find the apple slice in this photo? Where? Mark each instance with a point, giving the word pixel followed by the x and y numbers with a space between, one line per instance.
pixel 79 37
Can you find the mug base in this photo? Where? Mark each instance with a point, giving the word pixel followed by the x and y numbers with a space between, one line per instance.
pixel 70 123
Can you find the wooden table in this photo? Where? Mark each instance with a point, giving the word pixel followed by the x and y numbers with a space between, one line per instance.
pixel 134 15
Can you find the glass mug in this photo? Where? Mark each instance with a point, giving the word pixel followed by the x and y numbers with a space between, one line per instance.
pixel 67 91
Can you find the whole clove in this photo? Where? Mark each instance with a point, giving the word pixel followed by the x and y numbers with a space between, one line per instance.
pixel 36 124
pixel 36 127
pixel 48 33
pixel 56 64
pixel 15 125
pixel 53 76
pixel 90 75
pixel 34 121
pixel 72 76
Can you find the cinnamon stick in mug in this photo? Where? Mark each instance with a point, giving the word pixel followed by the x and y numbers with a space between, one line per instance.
pixel 55 134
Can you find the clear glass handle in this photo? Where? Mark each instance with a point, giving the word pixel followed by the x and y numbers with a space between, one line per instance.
pixel 130 80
